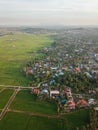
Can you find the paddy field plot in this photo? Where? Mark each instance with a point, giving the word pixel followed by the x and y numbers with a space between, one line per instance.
pixel 4 97
pixel 18 121
pixel 25 101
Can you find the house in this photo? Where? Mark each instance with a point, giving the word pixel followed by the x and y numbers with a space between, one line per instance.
pixel 68 94
pixel 63 101
pixel 35 90
pixel 28 70
pixel 77 69
pixel 70 98
pixel 96 57
pixel 53 68
pixel 92 91
pixel 94 71
pixel 44 91
pixel 67 89
pixel 96 108
pixel 82 103
pixel 64 68
pixel 78 95
pixel 88 74
pixel 54 93
pixel 36 64
pixel 91 101
pixel 70 105
pixel 60 73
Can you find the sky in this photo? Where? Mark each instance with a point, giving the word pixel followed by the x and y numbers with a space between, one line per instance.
pixel 48 12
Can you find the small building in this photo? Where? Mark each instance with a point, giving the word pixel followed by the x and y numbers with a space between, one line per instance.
pixel 35 90
pixel 70 98
pixel 92 91
pixel 63 101
pixel 91 101
pixel 70 105
pixel 82 103
pixel 53 68
pixel 88 74
pixel 76 69
pixel 69 94
pixel 96 108
pixel 54 93
pixel 44 91
pixel 67 89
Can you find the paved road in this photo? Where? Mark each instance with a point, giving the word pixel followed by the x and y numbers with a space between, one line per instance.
pixel 21 87
pixel 15 87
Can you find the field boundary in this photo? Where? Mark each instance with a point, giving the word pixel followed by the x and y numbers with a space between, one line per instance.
pixel 34 113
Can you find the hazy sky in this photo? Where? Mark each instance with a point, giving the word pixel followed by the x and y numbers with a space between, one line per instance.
pixel 45 12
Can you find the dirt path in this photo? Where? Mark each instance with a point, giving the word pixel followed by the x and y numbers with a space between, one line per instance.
pixel 40 114
pixel 34 114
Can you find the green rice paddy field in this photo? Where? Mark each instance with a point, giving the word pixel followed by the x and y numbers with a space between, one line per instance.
pixel 15 51
pixel 4 97
pixel 24 101
pixel 20 121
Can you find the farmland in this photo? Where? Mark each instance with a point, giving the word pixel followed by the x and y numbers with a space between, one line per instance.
pixel 35 115
pixel 24 122
pixel 41 83
pixel 4 96
pixel 26 102
pixel 15 50
pixel 19 121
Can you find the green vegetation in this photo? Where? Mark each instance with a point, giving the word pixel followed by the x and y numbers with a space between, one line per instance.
pixel 15 50
pixel 17 121
pixel 78 119
pixel 27 102
pixel 71 54
pixel 4 97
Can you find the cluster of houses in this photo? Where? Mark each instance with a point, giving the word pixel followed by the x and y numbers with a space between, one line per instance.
pixel 68 103
pixel 64 98
pixel 57 60
pixel 61 57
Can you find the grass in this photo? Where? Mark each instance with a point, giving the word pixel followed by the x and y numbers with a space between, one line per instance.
pixel 4 97
pixel 25 101
pixel 15 50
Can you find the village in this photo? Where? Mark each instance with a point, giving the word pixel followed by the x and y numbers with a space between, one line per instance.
pixel 67 72
pixel 51 79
